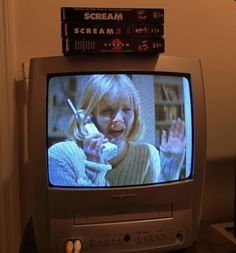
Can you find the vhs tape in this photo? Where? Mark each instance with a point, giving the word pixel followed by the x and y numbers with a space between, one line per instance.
pixel 114 15
pixel 77 45
pixel 138 30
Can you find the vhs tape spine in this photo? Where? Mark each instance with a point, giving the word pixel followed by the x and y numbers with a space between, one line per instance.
pixel 111 30
pixel 112 15
pixel 78 45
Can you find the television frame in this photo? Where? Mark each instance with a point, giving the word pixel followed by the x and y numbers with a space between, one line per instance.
pixel 152 218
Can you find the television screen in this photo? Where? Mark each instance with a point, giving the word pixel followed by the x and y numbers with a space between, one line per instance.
pixel 110 129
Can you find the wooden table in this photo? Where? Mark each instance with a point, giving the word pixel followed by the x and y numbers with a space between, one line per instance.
pixel 210 241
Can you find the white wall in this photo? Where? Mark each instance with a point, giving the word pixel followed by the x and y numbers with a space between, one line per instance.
pixel 193 28
pixel 9 187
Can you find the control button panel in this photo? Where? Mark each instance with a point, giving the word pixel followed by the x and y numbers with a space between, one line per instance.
pixel 139 240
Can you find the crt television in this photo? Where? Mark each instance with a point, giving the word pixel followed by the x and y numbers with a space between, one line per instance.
pixel 158 216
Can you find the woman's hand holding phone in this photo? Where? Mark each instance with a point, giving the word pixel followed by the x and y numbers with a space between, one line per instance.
pixel 93 146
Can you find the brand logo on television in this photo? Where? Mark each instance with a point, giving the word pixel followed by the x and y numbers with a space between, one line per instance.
pixel 103 16
pixel 124 196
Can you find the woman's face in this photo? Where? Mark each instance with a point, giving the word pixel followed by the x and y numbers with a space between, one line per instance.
pixel 115 120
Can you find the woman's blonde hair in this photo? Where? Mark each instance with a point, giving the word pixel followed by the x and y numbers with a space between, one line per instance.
pixel 113 88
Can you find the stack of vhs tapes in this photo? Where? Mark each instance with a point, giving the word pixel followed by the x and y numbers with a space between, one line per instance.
pixel 106 30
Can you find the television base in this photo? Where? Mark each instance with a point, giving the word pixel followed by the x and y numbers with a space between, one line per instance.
pixel 226 229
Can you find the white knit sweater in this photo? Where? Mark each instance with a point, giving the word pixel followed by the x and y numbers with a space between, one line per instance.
pixel 68 166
